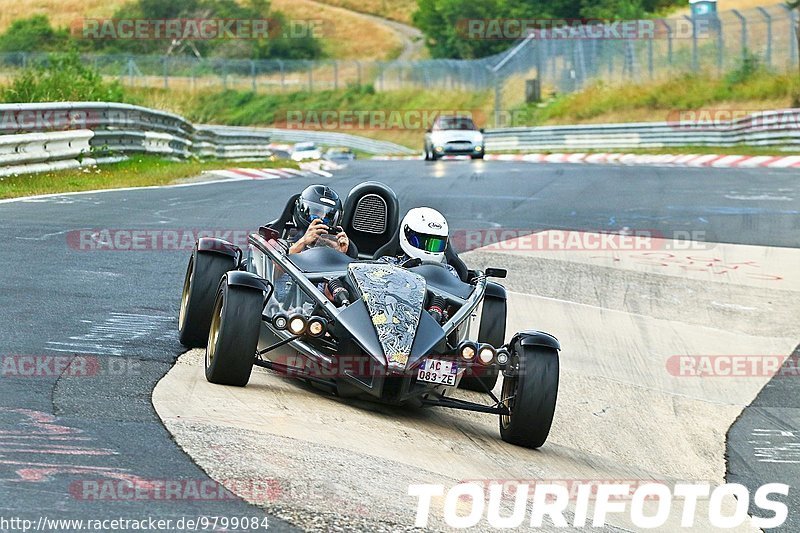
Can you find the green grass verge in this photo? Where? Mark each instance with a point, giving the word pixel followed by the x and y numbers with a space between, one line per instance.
pixel 138 171
pixel 245 108
pixel 747 89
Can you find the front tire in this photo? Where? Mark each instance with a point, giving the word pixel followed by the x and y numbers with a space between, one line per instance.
pixel 233 335
pixel 530 396
pixel 199 289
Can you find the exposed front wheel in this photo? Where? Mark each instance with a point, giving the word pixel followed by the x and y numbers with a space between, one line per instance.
pixel 197 300
pixel 492 331
pixel 233 335
pixel 530 396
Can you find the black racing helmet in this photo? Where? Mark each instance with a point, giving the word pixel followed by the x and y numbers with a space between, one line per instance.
pixel 318 201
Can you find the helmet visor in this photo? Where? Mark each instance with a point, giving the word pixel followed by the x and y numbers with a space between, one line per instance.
pixel 329 214
pixel 429 243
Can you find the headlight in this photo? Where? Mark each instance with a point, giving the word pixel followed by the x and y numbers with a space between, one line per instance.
pixel 280 321
pixel 502 357
pixel 297 325
pixel 316 326
pixel 439 149
pixel 467 350
pixel 486 354
pixel 478 148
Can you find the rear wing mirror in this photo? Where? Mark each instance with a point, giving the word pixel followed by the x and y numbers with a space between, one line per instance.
pixel 268 233
pixel 496 272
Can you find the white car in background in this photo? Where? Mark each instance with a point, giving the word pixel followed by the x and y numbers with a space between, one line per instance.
pixel 305 151
pixel 453 135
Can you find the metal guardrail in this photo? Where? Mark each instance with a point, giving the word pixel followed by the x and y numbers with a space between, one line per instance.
pixel 56 135
pixel 328 138
pixel 779 129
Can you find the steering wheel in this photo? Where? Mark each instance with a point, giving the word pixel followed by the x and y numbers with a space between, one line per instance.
pixel 415 262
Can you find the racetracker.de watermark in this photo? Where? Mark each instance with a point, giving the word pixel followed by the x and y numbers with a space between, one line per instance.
pixel 512 29
pixel 198 29
pixel 47 366
pixel 734 366
pixel 70 117
pixel 709 119
pixel 142 240
pixel 588 240
pixel 174 489
pixel 370 119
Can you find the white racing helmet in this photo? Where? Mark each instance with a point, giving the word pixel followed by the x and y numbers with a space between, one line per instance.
pixel 423 234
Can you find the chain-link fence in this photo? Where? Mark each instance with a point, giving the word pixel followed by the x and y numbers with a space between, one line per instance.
pixel 715 45
pixel 560 63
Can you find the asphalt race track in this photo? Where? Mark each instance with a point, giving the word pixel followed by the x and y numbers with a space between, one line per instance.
pixel 118 309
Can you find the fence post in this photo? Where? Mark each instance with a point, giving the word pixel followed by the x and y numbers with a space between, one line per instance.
pixel 358 73
pixel 743 22
pixel 768 18
pixel 694 42
pixel 283 75
pixel 669 41
pixel 165 67
pixel 497 98
pixel 792 35
pixel 650 57
pixel 253 76
pixel 310 76
pixel 720 46
pixel 335 74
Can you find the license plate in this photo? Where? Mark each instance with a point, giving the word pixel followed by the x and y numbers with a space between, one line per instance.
pixel 438 371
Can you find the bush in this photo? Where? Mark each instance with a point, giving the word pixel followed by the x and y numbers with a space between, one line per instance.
pixel 63 77
pixel 32 35
pixel 749 68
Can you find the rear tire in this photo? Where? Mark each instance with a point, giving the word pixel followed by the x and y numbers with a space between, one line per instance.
pixel 492 331
pixel 477 156
pixel 531 396
pixel 199 289
pixel 233 335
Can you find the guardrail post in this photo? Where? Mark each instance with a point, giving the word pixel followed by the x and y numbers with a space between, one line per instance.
pixel 768 18
pixel 743 22
pixel 694 42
